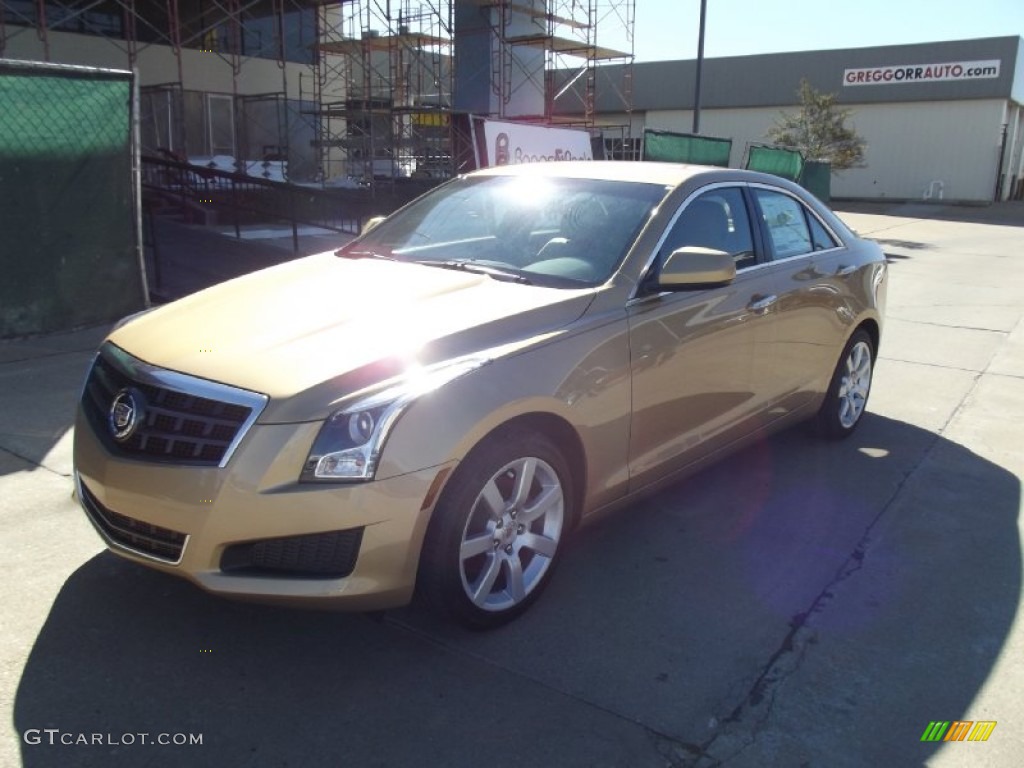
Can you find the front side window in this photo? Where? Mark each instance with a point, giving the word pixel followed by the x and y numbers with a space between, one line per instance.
pixel 718 220
pixel 786 224
pixel 549 231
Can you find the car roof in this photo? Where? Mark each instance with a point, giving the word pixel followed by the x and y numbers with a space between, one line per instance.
pixel 669 174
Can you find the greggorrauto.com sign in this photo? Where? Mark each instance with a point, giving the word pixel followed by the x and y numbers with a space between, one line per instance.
pixel 922 73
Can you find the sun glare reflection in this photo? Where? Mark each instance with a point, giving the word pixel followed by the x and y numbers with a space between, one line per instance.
pixel 528 192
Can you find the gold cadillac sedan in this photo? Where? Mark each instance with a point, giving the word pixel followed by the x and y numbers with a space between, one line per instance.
pixel 433 408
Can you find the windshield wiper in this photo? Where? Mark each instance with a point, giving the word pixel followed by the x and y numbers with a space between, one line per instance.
pixel 463 266
pixel 478 269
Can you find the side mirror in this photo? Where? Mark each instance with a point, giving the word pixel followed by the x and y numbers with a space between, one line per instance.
pixel 371 223
pixel 694 267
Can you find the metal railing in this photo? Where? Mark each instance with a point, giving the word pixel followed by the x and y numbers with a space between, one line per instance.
pixel 212 196
pixel 181 258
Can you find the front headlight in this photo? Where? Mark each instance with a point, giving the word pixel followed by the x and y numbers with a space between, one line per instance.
pixel 350 442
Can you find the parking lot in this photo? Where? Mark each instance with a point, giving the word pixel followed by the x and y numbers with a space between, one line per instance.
pixel 801 604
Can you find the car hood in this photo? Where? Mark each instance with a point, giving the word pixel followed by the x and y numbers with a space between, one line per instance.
pixel 310 331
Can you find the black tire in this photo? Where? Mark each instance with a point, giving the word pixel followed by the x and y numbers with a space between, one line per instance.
pixel 847 396
pixel 484 568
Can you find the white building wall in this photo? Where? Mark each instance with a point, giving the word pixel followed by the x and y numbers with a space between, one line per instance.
pixel 157 64
pixel 1015 152
pixel 1017 88
pixel 910 146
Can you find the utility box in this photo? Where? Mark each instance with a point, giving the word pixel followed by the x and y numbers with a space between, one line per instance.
pixel 69 234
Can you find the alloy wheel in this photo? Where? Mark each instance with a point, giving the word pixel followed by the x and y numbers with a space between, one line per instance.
pixel 856 384
pixel 511 534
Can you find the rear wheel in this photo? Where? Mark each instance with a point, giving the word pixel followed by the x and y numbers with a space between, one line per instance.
pixel 847 396
pixel 498 530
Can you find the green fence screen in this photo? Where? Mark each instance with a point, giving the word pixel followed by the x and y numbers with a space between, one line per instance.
pixel 817 179
pixel 68 241
pixel 686 148
pixel 787 163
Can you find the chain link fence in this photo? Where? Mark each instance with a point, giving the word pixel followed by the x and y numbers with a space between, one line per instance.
pixel 68 236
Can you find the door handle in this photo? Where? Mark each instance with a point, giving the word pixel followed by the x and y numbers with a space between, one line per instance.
pixel 844 270
pixel 762 304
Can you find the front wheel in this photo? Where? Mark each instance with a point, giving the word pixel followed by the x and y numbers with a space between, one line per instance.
pixel 498 530
pixel 847 396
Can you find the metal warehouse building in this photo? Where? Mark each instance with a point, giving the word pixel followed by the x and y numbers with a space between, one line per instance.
pixel 941 120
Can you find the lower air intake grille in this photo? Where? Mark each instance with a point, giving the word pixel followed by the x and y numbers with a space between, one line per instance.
pixel 144 538
pixel 328 555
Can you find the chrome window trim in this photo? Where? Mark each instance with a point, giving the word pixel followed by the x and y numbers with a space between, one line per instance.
pixel 190 385
pixel 635 293
pixel 113 543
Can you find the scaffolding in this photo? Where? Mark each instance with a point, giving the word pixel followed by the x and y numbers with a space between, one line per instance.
pixel 382 90
pixel 385 78
pixel 364 90
pixel 567 33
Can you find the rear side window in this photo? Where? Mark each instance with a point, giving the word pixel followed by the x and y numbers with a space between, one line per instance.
pixel 786 224
pixel 820 236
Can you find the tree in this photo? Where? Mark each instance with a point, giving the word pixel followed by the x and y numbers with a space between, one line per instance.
pixel 819 130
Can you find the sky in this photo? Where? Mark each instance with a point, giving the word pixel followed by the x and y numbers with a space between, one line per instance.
pixel 668 29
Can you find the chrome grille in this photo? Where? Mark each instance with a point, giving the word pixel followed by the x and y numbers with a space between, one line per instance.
pixel 180 423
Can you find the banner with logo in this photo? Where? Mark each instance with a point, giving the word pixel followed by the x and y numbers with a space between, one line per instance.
pixel 515 143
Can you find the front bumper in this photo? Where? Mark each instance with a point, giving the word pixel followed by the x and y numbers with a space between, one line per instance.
pixel 218 527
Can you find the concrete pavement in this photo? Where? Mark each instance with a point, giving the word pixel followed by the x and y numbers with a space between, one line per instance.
pixel 800 604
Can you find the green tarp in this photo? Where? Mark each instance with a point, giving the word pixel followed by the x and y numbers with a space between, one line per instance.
pixel 787 163
pixel 686 148
pixel 68 247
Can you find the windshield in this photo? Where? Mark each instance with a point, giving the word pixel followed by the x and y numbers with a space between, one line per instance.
pixel 548 231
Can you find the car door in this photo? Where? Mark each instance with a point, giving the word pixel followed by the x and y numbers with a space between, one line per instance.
pixel 693 354
pixel 810 318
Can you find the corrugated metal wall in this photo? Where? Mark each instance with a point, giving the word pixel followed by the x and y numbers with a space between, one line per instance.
pixel 914 149
pixel 926 148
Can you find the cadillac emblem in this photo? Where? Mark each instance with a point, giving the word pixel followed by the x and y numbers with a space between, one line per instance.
pixel 125 414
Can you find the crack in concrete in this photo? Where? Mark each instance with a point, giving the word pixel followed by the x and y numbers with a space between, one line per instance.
pixel 34 463
pixel 948 325
pixel 974 371
pixel 48 355
pixel 788 657
pixel 869 234
pixel 674 750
